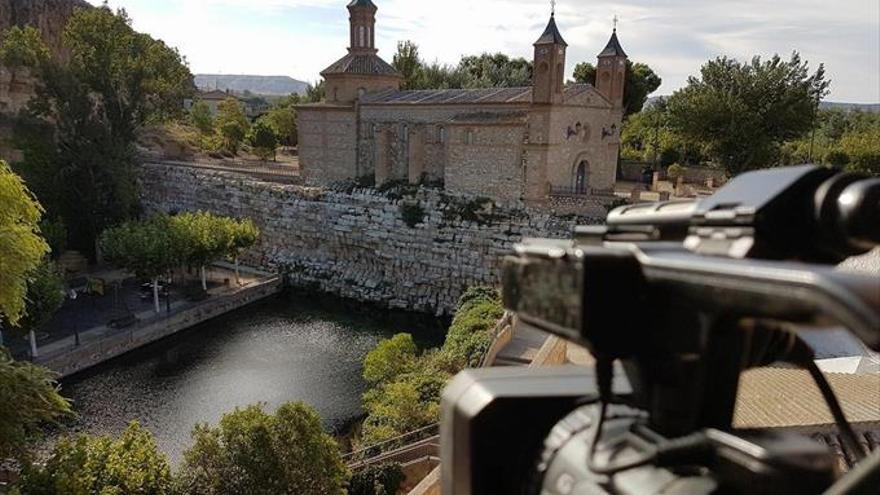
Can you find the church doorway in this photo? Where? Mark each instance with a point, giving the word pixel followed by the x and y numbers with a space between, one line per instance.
pixel 581 177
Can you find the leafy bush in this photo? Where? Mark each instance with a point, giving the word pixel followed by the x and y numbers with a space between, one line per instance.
pixel 406 389
pixel 674 172
pixel 251 451
pixel 412 213
pixel 377 480
pixel 102 465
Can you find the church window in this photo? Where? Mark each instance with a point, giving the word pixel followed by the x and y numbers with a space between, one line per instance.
pixel 441 134
pixel 405 133
pixel 362 33
pixel 469 136
pixel 369 37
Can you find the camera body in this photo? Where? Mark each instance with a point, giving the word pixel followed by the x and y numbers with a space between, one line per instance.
pixel 683 296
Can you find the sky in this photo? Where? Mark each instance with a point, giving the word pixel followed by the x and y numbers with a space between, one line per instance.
pixel 299 38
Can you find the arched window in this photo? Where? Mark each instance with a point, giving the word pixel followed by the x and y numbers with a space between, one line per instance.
pixel 362 36
pixel 441 134
pixel 369 37
pixel 581 178
pixel 469 136
pixel 405 133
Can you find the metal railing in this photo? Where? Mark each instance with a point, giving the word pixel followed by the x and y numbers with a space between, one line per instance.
pixel 263 169
pixel 372 451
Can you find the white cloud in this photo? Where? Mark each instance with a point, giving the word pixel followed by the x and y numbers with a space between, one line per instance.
pixel 301 37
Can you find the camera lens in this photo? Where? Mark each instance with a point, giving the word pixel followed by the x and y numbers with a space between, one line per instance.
pixel 859 207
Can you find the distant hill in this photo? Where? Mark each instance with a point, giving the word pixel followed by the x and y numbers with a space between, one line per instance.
pixel 825 105
pixel 260 85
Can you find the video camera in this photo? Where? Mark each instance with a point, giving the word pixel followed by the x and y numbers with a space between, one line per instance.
pixel 674 300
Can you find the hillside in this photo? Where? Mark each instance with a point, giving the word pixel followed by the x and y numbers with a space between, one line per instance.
pixel 261 85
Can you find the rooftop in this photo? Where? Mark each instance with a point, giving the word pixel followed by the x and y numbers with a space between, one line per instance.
pixel 613 48
pixel 518 95
pixel 551 35
pixel 361 63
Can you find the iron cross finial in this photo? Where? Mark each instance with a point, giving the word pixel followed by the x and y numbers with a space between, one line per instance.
pixel 553 7
pixel 616 20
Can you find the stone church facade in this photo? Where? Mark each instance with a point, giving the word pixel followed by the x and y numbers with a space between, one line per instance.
pixel 510 144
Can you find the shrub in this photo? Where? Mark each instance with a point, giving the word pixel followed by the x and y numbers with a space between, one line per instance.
pixel 102 465
pixel 390 359
pixel 251 451
pixel 412 213
pixel 674 172
pixel 377 480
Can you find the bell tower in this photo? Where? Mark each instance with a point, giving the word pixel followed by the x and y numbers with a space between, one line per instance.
pixel 363 26
pixel 611 71
pixel 549 78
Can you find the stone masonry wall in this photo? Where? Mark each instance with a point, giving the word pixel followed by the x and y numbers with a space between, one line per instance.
pixel 357 244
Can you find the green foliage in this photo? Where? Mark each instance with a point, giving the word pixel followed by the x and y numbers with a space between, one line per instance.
pixel 251 451
pixel 130 464
pixel 21 247
pixel 22 47
pixel 244 235
pixel 28 398
pixel 384 479
pixel 79 130
pixel 475 71
pixel 641 81
pixel 412 213
pixel 201 116
pixel 860 151
pixel 282 119
pixel 232 123
pixel 263 139
pixel 743 112
pixel 405 392
pixel 674 172
pixel 55 233
pixel 469 335
pixel 390 359
pixel 315 93
pixel 148 248
pixel 45 295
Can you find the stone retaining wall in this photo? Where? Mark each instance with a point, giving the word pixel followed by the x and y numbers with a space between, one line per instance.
pixel 357 244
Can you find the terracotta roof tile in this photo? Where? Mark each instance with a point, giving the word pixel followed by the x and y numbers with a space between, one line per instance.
pixel 361 63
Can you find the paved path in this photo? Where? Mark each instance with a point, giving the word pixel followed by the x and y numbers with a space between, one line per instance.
pixel 523 347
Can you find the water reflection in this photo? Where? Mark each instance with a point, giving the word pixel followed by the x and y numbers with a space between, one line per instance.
pixel 288 348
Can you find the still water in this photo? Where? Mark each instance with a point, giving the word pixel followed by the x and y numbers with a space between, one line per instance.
pixel 288 348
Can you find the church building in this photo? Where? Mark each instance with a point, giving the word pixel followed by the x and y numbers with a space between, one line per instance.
pixel 510 144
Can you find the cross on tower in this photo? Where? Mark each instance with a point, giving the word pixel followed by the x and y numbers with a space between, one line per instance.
pixel 616 20
pixel 553 7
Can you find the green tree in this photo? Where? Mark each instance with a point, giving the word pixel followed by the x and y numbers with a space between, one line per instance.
pixel 409 65
pixel 45 295
pixel 232 124
pixel 22 48
pixel 84 465
pixel 55 233
pixel 204 238
pixel 641 81
pixel 263 139
pixel 390 359
pixel 860 151
pixel 149 249
pixel 28 398
pixel 21 247
pixel 201 116
pixel 743 112
pixel 315 93
pixel 495 70
pixel 251 451
pixel 282 118
pixel 78 136
pixel 245 235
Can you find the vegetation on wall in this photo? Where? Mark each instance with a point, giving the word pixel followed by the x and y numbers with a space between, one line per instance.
pixel 405 387
pixel 384 479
